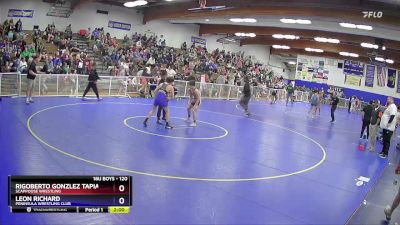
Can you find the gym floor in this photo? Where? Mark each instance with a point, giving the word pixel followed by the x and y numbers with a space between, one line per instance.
pixel 276 167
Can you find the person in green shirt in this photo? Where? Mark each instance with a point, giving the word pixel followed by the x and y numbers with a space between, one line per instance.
pixel 25 54
pixel 289 93
pixel 31 51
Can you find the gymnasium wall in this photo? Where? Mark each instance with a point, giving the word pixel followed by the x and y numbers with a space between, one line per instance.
pixel 85 16
pixel 336 77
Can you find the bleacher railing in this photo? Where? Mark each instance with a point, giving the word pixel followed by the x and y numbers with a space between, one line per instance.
pixel 14 84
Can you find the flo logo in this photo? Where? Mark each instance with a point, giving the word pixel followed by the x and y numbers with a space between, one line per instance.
pixel 372 14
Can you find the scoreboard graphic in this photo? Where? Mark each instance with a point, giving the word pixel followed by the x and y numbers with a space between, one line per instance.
pixel 70 194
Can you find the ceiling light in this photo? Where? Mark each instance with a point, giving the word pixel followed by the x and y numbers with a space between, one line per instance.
pixel 364 27
pixel 369 45
pixel 292 63
pixel 281 46
pixel 327 40
pixel 207 20
pixel 352 25
pixel 292 21
pixel 389 61
pixel 348 25
pixel 303 21
pixel 348 54
pixel 236 20
pixel 249 20
pixel 380 59
pixel 287 36
pixel 245 34
pixel 244 20
pixel 314 50
pixel 135 3
pixel 288 20
pixel 383 48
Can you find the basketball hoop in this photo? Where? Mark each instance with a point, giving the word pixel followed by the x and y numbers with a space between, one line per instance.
pixel 202 3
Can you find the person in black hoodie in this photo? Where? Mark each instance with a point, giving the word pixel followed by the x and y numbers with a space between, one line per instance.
pixel 244 100
pixel 93 77
pixel 334 103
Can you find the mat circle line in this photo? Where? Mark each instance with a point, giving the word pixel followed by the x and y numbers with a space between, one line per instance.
pixel 175 137
pixel 28 124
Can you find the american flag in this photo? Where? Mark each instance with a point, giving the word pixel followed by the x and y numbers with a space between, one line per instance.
pixel 381 75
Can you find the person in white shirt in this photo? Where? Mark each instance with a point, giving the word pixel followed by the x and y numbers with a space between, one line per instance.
pixel 171 72
pixel 151 61
pixel 388 125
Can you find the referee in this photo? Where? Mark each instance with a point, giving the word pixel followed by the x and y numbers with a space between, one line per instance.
pixel 93 77
pixel 335 101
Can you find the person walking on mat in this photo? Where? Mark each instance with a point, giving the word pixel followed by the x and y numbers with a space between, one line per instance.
pixel 334 103
pixel 93 77
pixel 244 100
pixel 32 73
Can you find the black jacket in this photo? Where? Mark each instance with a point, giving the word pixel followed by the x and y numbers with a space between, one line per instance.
pixel 93 76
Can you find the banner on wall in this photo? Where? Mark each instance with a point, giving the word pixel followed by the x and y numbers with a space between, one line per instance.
pixel 198 40
pixel 381 75
pixel 312 69
pixel 119 25
pixel 369 75
pixel 391 78
pixel 354 71
pixel 353 80
pixel 27 13
pixel 353 68
pixel 398 83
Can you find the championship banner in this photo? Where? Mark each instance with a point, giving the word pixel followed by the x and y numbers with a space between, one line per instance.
pixel 381 75
pixel 391 78
pixel 119 25
pixel 398 83
pixel 198 40
pixel 353 68
pixel 369 76
pixel 28 13
pixel 353 80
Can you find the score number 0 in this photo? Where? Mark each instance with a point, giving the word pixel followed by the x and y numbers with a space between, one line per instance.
pixel 121 200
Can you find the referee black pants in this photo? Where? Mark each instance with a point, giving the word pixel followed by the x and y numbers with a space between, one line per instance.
pixel 387 135
pixel 365 125
pixel 92 85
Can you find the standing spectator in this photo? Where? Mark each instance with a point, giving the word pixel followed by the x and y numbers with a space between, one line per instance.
pixel 18 26
pixel 350 103
pixel 334 103
pixel 314 103
pixel 373 126
pixel 366 119
pixel 289 93
pixel 32 73
pixel 388 124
